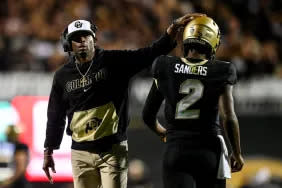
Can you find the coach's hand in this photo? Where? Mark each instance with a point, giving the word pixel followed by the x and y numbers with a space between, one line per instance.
pixel 181 22
pixel 49 163
pixel 237 162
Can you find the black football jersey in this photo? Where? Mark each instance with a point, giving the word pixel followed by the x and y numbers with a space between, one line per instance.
pixel 191 89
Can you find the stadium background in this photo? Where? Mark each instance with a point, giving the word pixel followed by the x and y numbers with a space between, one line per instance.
pixel 30 52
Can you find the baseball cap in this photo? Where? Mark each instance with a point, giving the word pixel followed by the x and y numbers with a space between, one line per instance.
pixel 79 26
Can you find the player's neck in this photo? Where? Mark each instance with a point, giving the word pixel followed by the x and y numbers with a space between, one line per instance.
pixel 196 57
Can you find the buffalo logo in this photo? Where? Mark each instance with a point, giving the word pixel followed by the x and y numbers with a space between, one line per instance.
pixel 92 124
pixel 208 34
pixel 78 24
pixel 192 29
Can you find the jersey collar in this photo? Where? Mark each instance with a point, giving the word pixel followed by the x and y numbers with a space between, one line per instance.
pixel 184 60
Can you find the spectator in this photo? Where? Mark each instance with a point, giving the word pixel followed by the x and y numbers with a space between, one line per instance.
pixel 20 160
pixel 21 23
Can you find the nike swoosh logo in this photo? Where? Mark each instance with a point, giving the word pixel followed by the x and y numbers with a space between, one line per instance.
pixel 86 89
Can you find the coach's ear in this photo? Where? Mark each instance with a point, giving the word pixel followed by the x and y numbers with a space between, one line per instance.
pixel 95 41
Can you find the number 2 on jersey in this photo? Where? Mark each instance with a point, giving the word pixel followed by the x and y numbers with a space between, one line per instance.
pixel 194 90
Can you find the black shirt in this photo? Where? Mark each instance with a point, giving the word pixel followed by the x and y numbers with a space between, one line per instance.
pixel 97 107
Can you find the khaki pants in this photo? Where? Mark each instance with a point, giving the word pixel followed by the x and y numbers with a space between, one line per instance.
pixel 107 170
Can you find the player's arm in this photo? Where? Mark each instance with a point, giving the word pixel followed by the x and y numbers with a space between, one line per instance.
pixel 231 126
pixel 151 108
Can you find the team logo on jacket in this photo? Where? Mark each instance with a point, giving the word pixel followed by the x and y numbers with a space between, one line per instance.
pixel 92 124
pixel 87 81
pixel 78 83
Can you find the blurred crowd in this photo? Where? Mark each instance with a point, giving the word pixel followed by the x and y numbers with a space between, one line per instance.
pixel 30 30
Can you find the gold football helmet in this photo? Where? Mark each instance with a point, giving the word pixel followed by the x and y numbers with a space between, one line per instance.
pixel 203 31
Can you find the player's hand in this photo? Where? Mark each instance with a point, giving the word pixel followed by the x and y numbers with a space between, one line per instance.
pixel 237 162
pixel 163 138
pixel 49 163
pixel 181 22
pixel 161 131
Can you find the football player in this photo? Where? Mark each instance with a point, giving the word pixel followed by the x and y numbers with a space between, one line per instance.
pixel 195 88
